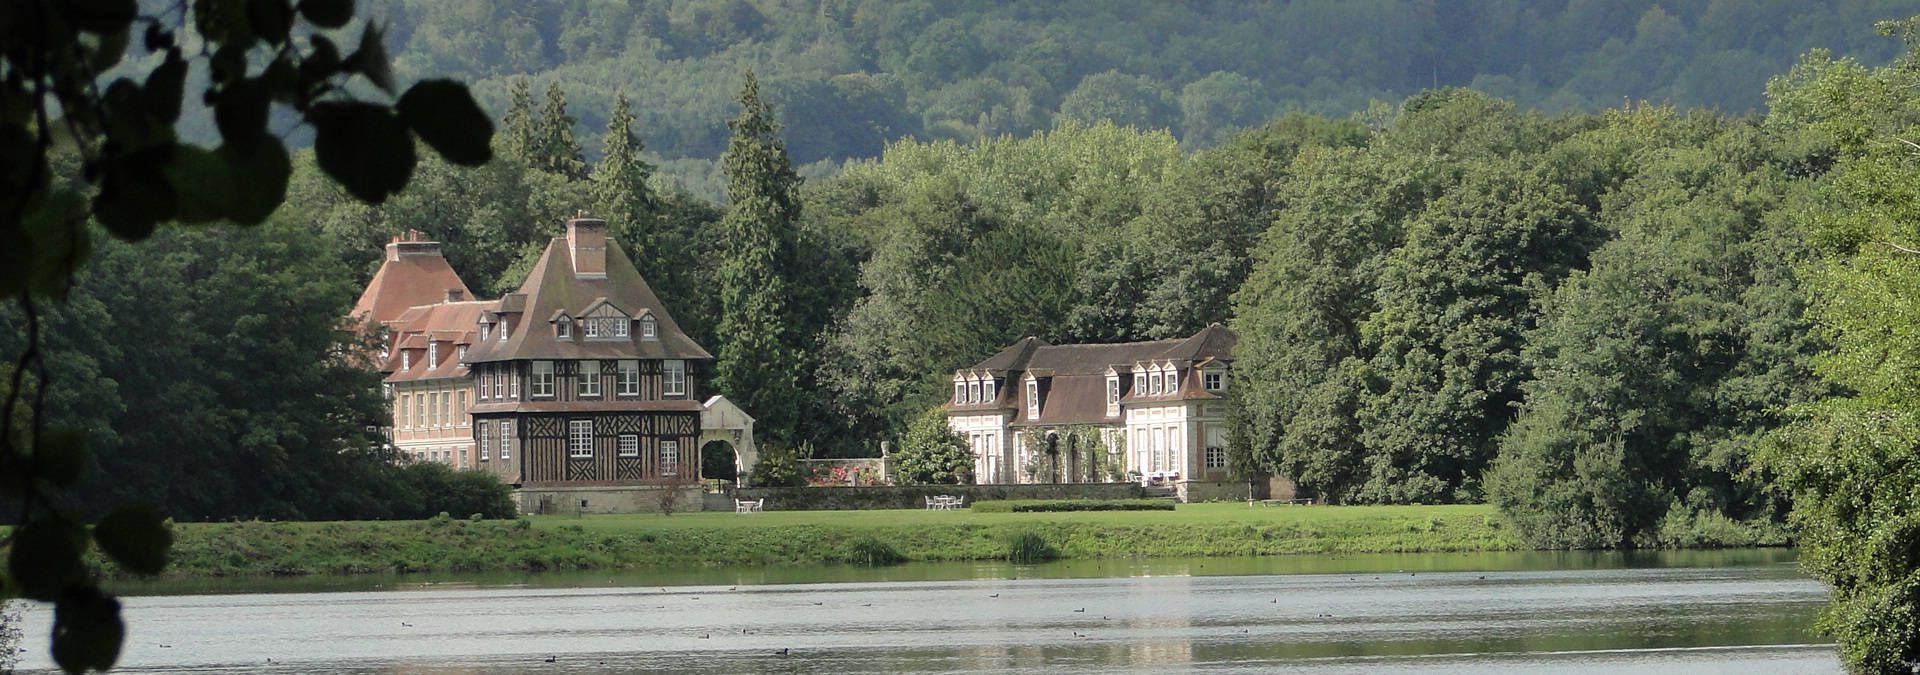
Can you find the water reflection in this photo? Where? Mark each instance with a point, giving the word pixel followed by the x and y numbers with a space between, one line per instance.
pixel 1740 611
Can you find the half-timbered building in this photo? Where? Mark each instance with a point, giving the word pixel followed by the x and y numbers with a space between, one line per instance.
pixel 582 379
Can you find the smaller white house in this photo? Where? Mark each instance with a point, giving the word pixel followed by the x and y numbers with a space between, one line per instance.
pixel 1146 411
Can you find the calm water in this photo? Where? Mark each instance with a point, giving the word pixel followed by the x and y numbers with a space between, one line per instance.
pixel 1736 612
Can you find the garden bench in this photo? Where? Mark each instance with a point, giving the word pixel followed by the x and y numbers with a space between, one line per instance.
pixel 749 505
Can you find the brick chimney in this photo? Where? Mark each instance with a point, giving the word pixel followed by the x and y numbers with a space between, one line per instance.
pixel 587 243
pixel 413 243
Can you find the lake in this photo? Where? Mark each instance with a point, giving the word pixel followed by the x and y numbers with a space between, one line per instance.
pixel 1683 612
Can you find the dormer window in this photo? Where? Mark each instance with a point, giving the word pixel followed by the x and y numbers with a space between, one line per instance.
pixel 973 392
pixel 1139 381
pixel 1173 380
pixel 649 329
pixel 1113 394
pixel 406 360
pixel 1033 399
pixel 463 353
pixel 1214 380
pixel 563 327
pixel 605 322
pixel 433 354
pixel 986 389
pixel 504 329
pixel 959 392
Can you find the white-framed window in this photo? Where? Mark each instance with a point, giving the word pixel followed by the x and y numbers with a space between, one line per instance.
pixel 433 354
pixel 405 411
pixel 579 438
pixel 1216 457
pixel 628 380
pixel 973 392
pixel 486 331
pixel 629 445
pixel 1173 381
pixel 499 382
pixel 986 389
pixel 542 385
pixel 463 353
pixel 673 377
pixel 620 327
pixel 506 438
pixel 446 409
pixel 1033 399
pixel 486 442
pixel 669 458
pixel 649 329
pixel 513 382
pixel 1214 380
pixel 419 410
pixel 589 375
pixel 460 418
pixel 1139 383
pixel 481 392
pixel 1113 395
pixel 504 330
pixel 406 360
pixel 563 327
pixel 959 392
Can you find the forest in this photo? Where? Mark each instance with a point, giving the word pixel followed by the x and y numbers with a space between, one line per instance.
pixel 1495 276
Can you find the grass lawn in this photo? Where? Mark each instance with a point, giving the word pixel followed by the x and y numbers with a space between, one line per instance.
pixel 566 542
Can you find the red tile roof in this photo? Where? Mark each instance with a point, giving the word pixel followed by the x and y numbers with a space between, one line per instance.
pixel 413 274
pixel 448 323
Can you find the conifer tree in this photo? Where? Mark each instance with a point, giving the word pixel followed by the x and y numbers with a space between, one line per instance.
pixel 620 191
pixel 516 132
pixel 553 146
pixel 759 364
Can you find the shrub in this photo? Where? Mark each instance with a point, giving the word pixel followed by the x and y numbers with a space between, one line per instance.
pixel 1028 547
pixel 476 516
pixel 522 523
pixel 872 552
pixel 1061 505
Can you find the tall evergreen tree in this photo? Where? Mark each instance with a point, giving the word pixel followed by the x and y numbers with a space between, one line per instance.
pixel 554 149
pixel 759 362
pixel 620 192
pixel 516 129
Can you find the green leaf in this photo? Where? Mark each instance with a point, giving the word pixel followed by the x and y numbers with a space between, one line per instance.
pixel 327 13
pixel 134 193
pixel 270 19
pixel 164 88
pixel 87 630
pixel 370 59
pixel 243 183
pixel 135 536
pixel 240 112
pixel 102 16
pixel 45 558
pixel 60 455
pixel 443 113
pixel 363 146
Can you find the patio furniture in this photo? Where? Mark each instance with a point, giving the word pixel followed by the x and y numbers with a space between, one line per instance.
pixel 749 505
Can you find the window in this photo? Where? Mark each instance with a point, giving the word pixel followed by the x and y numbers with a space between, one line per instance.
pixel 433 353
pixel 486 330
pixel 463 353
pixel 648 329
pixel 629 445
pixel 1216 457
pixel 542 385
pixel 629 378
pixel 486 442
pixel 503 329
pixel 959 392
pixel 506 438
pixel 669 458
pixel 406 413
pixel 1033 399
pixel 513 382
pixel 593 328
pixel 563 327
pixel 1173 381
pixel 1140 383
pixel 673 378
pixel 589 379
pixel 460 411
pixel 446 409
pixel 1214 380
pixel 579 438
pixel 484 388
pixel 973 392
pixel 1113 395
pixel 986 389
pixel 419 411
pixel 620 327
pixel 406 360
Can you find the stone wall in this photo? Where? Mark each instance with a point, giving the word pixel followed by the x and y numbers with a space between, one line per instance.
pixel 915 496
pixel 624 499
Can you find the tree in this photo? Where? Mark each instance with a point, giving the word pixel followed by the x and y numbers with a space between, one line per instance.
pixel 759 360
pixel 1127 100
pixel 134 173
pixel 1456 302
pixel 779 466
pixel 554 149
pixel 620 190
pixel 932 453
pixel 517 127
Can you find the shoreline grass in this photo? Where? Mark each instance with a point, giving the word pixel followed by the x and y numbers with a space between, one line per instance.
pixel 637 541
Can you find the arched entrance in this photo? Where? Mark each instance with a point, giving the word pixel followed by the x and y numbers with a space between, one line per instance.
pixel 725 423
pixel 719 461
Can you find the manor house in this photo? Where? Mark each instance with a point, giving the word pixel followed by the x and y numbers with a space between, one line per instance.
pixel 1153 412
pixel 578 389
